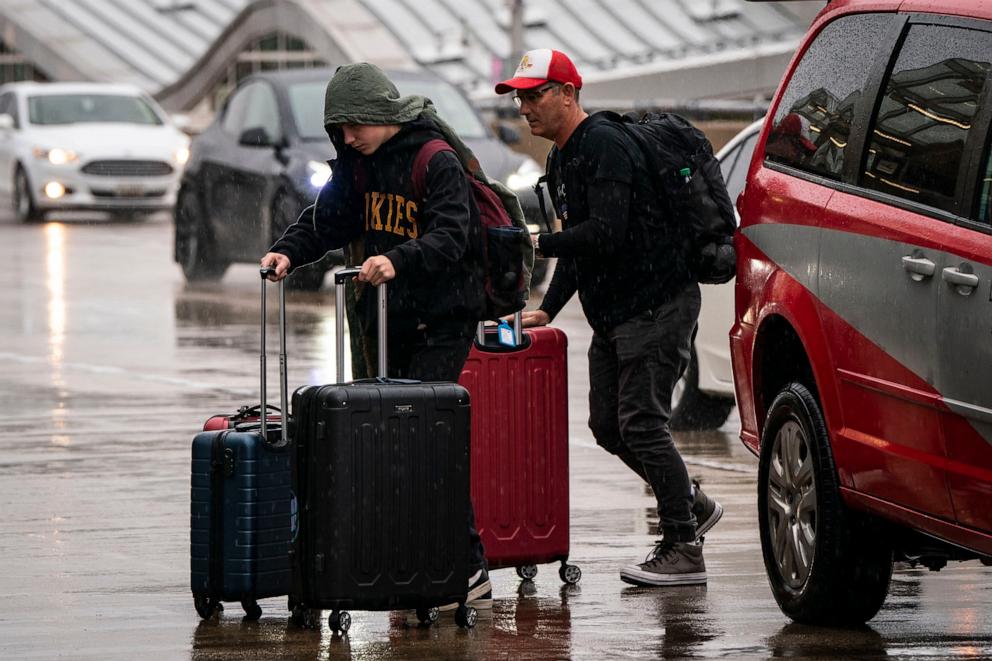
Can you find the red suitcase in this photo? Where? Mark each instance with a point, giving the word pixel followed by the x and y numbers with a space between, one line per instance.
pixel 520 449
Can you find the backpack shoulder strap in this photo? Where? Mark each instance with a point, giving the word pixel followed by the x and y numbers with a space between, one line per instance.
pixel 422 159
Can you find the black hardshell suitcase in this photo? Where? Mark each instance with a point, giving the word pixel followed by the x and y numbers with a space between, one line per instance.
pixel 241 504
pixel 381 471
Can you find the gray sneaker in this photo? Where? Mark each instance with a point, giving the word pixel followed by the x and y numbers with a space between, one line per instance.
pixel 706 510
pixel 670 563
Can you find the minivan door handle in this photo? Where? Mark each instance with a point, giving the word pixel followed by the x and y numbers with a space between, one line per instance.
pixel 963 281
pixel 919 266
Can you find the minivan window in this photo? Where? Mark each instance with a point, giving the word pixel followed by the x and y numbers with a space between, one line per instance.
pixel 985 201
pixel 813 121
pixel 931 98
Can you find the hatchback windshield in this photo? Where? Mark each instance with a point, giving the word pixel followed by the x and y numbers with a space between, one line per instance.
pixel 78 108
pixel 307 103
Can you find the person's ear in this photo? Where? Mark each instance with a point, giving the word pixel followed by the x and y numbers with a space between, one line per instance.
pixel 568 92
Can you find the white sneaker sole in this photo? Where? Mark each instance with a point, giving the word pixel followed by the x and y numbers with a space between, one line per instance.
pixel 637 576
pixel 477 598
pixel 703 527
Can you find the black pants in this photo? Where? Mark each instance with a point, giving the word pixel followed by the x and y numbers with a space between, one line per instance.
pixel 633 370
pixel 436 354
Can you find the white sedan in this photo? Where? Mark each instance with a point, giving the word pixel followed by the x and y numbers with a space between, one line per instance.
pixel 705 395
pixel 83 146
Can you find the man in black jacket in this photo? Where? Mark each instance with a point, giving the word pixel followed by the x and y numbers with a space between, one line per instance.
pixel 625 257
pixel 429 248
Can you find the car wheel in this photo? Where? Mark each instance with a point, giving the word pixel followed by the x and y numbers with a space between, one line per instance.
pixel 694 409
pixel 195 248
pixel 827 565
pixel 23 201
pixel 285 211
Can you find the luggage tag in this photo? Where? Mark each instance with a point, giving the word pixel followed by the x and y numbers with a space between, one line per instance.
pixel 505 334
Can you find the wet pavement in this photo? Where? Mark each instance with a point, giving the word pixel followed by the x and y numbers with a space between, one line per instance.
pixel 109 365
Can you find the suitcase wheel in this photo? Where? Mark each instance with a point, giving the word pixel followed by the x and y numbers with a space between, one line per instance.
pixel 428 616
pixel 252 610
pixel 206 607
pixel 466 616
pixel 570 574
pixel 527 572
pixel 339 621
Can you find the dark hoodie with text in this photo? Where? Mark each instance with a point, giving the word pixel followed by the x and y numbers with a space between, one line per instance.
pixel 434 243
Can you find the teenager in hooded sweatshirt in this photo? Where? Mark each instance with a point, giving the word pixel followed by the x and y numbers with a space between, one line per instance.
pixel 428 248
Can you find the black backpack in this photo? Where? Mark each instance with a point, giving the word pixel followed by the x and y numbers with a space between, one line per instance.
pixel 688 175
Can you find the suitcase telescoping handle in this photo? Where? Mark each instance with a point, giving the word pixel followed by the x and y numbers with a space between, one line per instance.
pixel 283 397
pixel 518 333
pixel 342 276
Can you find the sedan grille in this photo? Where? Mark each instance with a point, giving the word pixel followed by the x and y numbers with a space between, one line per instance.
pixel 128 168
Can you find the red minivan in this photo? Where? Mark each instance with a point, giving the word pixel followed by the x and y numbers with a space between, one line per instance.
pixel 862 342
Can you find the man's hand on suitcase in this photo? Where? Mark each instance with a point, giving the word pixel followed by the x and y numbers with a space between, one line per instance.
pixel 279 262
pixel 532 318
pixel 377 270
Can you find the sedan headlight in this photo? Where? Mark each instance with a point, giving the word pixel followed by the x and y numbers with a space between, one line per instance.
pixel 319 173
pixel 56 155
pixel 181 155
pixel 526 175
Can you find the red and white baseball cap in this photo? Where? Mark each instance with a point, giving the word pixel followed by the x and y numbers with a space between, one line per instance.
pixel 540 66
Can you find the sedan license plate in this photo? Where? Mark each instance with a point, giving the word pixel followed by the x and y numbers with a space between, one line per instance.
pixel 130 190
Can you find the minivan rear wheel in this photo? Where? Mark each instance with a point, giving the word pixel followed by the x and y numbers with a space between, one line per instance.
pixel 826 564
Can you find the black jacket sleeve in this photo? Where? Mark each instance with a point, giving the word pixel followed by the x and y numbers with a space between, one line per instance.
pixel 330 223
pixel 608 170
pixel 445 218
pixel 561 289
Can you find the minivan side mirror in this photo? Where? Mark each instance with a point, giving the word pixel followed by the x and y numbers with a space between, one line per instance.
pixel 508 134
pixel 6 122
pixel 256 136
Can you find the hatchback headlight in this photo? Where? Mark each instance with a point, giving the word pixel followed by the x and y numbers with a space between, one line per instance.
pixel 56 155
pixel 320 173
pixel 181 155
pixel 526 175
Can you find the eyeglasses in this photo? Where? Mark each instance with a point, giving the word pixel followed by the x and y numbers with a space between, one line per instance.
pixel 533 96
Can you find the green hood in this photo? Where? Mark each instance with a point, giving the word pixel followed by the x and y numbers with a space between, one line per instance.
pixel 363 94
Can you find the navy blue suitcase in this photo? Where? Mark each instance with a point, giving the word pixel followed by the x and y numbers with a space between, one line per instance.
pixel 242 509
pixel 381 470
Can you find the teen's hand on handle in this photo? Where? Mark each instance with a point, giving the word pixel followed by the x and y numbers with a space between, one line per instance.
pixel 279 262
pixel 532 318
pixel 377 270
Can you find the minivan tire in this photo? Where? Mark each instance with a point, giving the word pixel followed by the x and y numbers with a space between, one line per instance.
pixel 849 562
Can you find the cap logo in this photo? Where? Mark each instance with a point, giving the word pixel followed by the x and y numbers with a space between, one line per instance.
pixel 525 64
